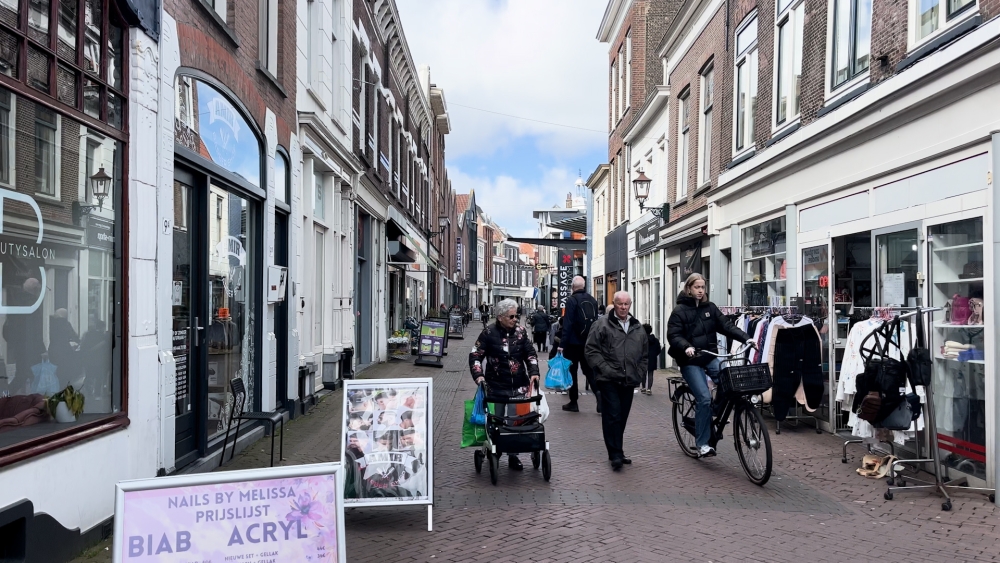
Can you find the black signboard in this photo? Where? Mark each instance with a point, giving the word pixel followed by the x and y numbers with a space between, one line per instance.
pixel 646 237
pixel 565 277
pixel 691 259
pixel 100 233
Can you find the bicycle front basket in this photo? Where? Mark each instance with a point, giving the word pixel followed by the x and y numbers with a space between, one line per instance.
pixel 745 379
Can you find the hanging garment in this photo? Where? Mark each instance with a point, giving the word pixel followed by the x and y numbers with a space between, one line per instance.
pixel 796 359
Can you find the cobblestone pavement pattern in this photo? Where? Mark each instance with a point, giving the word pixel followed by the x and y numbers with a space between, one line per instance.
pixel 664 507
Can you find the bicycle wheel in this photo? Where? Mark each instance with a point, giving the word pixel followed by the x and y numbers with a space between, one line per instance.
pixel 683 418
pixel 753 444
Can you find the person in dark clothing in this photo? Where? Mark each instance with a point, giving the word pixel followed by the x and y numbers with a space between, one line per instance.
pixel 617 349
pixel 646 387
pixel 63 342
pixel 581 312
pixel 505 360
pixel 693 325
pixel 539 322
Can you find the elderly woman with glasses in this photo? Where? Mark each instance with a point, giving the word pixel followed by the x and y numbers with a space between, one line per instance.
pixel 504 358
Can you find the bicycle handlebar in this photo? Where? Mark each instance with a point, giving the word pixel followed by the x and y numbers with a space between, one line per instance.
pixel 746 346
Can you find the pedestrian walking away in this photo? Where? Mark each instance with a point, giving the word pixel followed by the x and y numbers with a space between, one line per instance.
pixel 539 322
pixel 505 360
pixel 654 357
pixel 692 326
pixel 579 316
pixel 618 352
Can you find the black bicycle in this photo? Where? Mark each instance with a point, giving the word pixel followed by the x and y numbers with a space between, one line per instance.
pixel 740 385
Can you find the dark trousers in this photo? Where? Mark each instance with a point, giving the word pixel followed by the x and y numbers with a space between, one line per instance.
pixel 574 353
pixel 616 403
pixel 540 341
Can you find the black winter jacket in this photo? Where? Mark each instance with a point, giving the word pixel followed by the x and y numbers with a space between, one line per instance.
pixel 572 317
pixel 507 359
pixel 654 352
pixel 617 355
pixel 694 325
pixel 540 321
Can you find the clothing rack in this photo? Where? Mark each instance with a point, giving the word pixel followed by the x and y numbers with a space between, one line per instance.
pixel 897 483
pixel 740 309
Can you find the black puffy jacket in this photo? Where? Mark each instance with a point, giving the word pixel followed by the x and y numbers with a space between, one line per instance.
pixel 694 325
pixel 507 359
pixel 540 322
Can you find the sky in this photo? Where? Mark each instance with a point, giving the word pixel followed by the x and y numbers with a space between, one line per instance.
pixel 532 59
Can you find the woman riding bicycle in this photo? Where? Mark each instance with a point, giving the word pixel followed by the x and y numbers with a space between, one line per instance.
pixel 693 325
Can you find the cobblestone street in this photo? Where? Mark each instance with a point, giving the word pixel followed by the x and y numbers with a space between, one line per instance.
pixel 664 507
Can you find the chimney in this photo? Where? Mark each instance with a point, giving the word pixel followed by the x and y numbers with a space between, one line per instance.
pixel 569 200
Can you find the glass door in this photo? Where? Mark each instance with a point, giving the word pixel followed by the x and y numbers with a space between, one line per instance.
pixel 187 300
pixel 958 339
pixel 898 257
pixel 816 299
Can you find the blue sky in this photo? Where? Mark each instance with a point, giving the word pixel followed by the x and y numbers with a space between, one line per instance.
pixel 533 59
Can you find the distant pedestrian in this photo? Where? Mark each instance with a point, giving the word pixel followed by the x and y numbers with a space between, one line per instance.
pixel 555 334
pixel 580 315
pixel 539 322
pixel 654 356
pixel 618 352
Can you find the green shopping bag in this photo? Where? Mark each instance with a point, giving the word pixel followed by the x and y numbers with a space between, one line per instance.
pixel 472 435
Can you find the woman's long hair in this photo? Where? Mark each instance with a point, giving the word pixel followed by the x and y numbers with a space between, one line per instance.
pixel 690 282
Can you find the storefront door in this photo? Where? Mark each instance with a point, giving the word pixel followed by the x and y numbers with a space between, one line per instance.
pixel 898 259
pixel 189 317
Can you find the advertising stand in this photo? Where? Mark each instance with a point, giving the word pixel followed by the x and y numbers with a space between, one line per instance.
pixel 433 339
pixel 387 443
pixel 278 514
pixel 455 328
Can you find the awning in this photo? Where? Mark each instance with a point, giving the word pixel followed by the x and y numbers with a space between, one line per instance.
pixel 576 224
pixel 564 243
pixel 683 236
pixel 399 253
pixel 394 230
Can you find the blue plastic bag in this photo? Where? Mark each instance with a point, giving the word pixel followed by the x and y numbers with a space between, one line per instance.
pixel 478 416
pixel 558 377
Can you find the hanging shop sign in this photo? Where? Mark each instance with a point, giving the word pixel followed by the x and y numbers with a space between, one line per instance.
pixel 387 443
pixel 280 514
pixel 646 237
pixel 691 259
pixel 100 233
pixel 565 274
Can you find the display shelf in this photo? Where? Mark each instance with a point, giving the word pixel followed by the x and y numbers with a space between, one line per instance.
pixel 965 327
pixel 763 256
pixel 958 281
pixel 957 361
pixel 959 247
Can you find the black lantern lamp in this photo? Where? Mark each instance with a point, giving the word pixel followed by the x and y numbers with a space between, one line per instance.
pixel 100 185
pixel 641 185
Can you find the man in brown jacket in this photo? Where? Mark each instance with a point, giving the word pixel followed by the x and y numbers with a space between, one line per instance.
pixel 617 350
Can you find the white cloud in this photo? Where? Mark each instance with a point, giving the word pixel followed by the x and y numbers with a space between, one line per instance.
pixel 529 58
pixel 509 201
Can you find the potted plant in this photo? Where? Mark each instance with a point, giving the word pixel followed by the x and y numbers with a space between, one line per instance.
pixel 65 405
pixel 399 343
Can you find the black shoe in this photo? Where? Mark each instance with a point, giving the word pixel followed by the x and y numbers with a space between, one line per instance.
pixel 571 407
pixel 514 463
pixel 616 464
pixel 598 407
pixel 626 461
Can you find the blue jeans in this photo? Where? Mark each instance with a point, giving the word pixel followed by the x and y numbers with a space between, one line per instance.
pixel 695 378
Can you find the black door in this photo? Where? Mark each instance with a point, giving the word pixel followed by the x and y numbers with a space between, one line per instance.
pixel 188 300
pixel 281 309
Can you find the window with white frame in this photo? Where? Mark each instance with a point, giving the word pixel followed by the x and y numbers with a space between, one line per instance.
pixel 628 70
pixel 319 197
pixel 852 33
pixel 927 17
pixel 683 146
pixel 46 152
pixel 220 8
pixel 788 63
pixel 268 54
pixel 621 81
pixel 313 47
pixel 746 83
pixel 707 89
pixel 319 272
pixel 614 94
pixel 6 136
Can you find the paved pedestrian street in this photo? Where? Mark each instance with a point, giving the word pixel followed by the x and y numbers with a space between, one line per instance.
pixel 664 507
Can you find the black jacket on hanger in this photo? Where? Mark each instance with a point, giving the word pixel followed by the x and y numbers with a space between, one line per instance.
pixel 798 357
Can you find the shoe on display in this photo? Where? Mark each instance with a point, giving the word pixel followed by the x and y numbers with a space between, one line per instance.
pixel 706 451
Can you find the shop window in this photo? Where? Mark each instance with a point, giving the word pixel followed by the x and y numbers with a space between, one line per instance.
pixel 746 84
pixel 852 32
pixel 58 293
pixel 764 272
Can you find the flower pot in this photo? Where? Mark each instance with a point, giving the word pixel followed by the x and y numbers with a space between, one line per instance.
pixel 63 413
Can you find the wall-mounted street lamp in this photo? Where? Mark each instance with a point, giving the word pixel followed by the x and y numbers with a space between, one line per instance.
pixel 100 187
pixel 641 185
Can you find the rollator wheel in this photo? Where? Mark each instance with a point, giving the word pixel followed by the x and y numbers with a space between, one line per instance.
pixel 946 506
pixel 887 495
pixel 494 466
pixel 536 459
pixel 479 461
pixel 546 465
pixel 993 497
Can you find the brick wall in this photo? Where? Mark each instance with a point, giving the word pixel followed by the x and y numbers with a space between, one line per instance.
pixel 206 46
